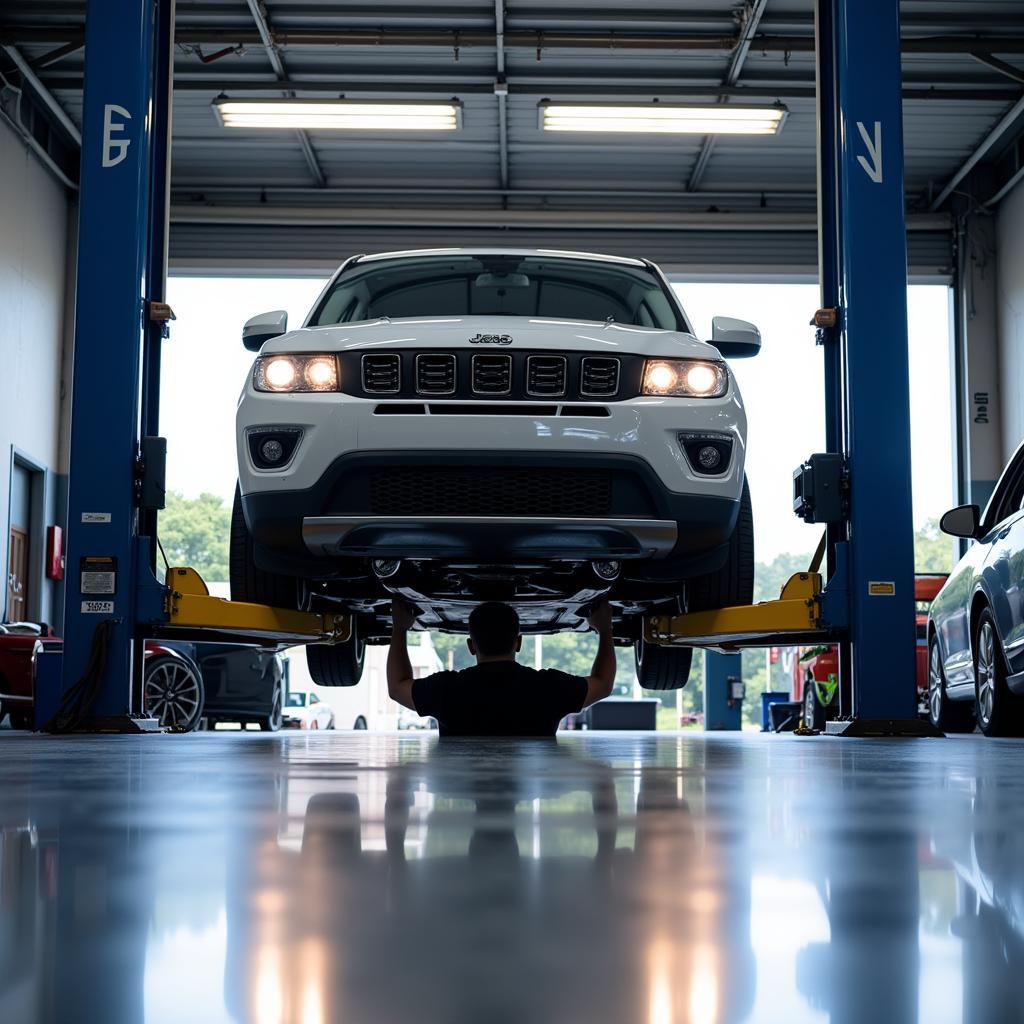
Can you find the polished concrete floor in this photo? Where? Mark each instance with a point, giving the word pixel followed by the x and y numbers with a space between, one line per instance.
pixel 626 878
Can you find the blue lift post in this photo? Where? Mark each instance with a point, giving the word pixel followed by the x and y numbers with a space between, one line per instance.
pixel 864 277
pixel 124 120
pixel 723 707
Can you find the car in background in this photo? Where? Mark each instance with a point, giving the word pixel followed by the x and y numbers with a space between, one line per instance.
pixel 815 682
pixel 409 720
pixel 183 684
pixel 20 642
pixel 976 623
pixel 305 710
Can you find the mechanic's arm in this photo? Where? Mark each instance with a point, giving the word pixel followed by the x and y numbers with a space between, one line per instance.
pixel 399 670
pixel 602 675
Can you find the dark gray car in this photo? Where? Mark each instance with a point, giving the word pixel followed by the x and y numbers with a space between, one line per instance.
pixel 976 623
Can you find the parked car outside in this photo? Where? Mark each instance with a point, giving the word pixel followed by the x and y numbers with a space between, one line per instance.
pixel 815 682
pixel 305 710
pixel 976 625
pixel 452 426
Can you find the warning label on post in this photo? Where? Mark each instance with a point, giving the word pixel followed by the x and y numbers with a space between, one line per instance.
pixel 881 588
pixel 98 574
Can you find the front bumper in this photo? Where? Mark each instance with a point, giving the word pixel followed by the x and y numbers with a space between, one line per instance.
pixel 305 532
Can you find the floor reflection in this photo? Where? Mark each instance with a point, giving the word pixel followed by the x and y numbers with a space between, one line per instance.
pixel 626 878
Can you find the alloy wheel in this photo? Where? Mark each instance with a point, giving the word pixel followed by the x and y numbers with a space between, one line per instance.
pixel 810 700
pixel 173 694
pixel 935 685
pixel 986 672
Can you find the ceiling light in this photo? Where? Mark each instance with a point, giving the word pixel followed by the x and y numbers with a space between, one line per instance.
pixel 339 115
pixel 661 118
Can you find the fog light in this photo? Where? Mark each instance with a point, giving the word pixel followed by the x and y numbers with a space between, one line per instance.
pixel 272 450
pixel 607 571
pixel 709 457
pixel 385 568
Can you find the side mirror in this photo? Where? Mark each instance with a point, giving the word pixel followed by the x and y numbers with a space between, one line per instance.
pixel 262 328
pixel 735 339
pixel 962 521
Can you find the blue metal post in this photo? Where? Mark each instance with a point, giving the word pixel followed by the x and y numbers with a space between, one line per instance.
pixel 723 711
pixel 110 321
pixel 860 64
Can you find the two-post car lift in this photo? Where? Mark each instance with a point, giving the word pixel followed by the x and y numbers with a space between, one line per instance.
pixel 860 488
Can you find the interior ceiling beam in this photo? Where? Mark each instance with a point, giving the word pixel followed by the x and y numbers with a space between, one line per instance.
pixel 533 39
pixel 258 11
pixel 1008 122
pixel 753 12
pixel 501 217
pixel 53 108
pixel 681 87
pixel 1008 70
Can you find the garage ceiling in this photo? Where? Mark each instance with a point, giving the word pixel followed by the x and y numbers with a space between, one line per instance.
pixel 258 200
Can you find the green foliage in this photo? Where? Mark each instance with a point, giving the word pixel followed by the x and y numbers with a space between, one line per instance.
pixel 195 531
pixel 933 550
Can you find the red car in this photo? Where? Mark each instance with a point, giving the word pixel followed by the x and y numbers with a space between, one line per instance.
pixel 816 669
pixel 19 642
pixel 168 672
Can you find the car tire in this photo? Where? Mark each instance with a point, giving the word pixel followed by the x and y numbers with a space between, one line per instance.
pixel 21 719
pixel 945 714
pixel 337 664
pixel 273 721
pixel 173 692
pixel 662 668
pixel 999 712
pixel 733 584
pixel 813 712
pixel 360 724
pixel 249 583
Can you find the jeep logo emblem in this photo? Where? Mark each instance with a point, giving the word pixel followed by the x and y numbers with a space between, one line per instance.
pixel 491 339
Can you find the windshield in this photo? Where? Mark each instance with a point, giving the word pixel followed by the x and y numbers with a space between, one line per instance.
pixel 295 700
pixel 559 288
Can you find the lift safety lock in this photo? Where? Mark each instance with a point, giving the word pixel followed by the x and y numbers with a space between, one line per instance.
pixel 820 488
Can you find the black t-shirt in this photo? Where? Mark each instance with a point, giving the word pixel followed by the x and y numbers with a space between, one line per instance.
pixel 499 698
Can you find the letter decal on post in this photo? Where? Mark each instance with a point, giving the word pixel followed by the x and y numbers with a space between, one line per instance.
pixel 873 169
pixel 114 150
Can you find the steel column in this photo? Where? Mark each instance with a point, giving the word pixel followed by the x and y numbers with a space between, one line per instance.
pixel 864 262
pixel 722 711
pixel 117 210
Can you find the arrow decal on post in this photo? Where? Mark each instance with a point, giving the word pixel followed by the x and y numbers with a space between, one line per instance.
pixel 873 169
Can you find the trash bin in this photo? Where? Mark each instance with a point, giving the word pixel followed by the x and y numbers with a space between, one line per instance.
pixel 768 698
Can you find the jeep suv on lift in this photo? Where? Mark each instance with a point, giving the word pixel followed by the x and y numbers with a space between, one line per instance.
pixel 454 426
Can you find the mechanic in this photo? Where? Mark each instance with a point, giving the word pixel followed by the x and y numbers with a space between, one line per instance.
pixel 498 696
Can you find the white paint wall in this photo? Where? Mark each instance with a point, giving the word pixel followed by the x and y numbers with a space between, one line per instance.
pixel 33 271
pixel 1010 302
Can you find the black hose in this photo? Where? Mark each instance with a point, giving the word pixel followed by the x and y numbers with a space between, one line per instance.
pixel 78 700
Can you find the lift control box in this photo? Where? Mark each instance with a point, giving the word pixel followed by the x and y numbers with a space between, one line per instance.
pixel 819 489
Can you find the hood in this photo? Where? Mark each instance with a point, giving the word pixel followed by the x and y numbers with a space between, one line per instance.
pixel 526 333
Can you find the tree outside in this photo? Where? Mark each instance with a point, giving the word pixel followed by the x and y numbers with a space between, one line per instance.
pixel 194 532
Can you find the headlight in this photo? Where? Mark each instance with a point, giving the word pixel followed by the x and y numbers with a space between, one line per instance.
pixel 685 378
pixel 315 372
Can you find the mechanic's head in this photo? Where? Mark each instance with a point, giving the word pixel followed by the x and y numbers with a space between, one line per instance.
pixel 494 631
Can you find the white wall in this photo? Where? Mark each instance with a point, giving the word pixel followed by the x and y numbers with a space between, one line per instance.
pixel 33 269
pixel 1010 301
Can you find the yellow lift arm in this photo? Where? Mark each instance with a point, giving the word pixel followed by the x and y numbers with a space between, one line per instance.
pixel 193 614
pixel 795 618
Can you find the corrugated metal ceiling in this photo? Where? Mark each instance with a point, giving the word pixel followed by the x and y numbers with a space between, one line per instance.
pixel 568 49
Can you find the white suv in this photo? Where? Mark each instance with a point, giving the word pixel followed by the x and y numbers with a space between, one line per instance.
pixel 453 426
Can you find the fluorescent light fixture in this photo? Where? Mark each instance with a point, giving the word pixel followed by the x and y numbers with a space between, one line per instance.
pixel 340 115
pixel 662 118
